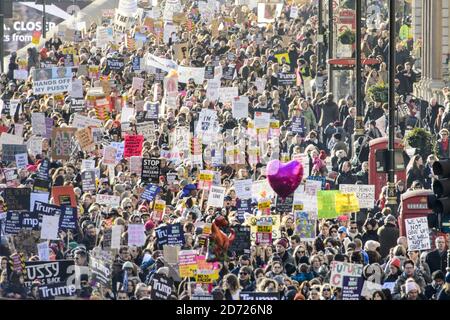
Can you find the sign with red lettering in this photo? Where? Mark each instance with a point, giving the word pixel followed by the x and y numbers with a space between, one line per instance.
pixel 133 145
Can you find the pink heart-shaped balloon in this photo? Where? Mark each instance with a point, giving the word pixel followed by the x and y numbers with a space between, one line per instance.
pixel 284 178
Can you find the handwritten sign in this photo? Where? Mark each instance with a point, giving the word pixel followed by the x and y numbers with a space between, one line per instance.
pixel 417 233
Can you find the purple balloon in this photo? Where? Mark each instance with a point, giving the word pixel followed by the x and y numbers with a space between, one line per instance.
pixel 284 178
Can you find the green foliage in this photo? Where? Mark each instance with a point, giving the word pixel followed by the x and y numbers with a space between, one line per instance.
pixel 378 93
pixel 422 140
pixel 347 37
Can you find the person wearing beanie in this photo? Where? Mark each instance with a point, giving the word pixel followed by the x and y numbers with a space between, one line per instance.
pixel 412 291
pixel 438 280
pixel 388 235
pixel 281 246
pixel 409 273
pixel 444 294
pixel 394 270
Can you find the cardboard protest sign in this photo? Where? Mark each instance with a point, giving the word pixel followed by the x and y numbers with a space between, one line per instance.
pixel 240 107
pixel 417 233
pixel 151 169
pixel 64 196
pixel 136 235
pixel 43 251
pixel 108 200
pixel 62 143
pixel 364 193
pixel 17 198
pixel 49 228
pixel 85 139
pixel 263 296
pixel 341 269
pixel 133 145
pixel 171 254
pixel 187 263
pixel 181 51
pixel 161 287
pixel 243 188
pixel 52 290
pixel 101 271
pixel 88 180
pixel 109 155
pixel 326 204
pixel 52 80
pixel 115 236
pixel 216 197
pixel 346 203
pixel 227 94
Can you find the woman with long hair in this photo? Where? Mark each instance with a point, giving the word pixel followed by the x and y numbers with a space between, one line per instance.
pixel 231 287
pixel 415 171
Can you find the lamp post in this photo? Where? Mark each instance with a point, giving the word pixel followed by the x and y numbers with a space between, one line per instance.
pixel 392 198
pixel 44 18
pixel 330 45
pixel 320 51
pixel 359 120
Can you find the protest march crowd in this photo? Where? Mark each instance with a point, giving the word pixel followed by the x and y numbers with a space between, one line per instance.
pixel 140 161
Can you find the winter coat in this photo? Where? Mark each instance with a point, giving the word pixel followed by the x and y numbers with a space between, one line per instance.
pixel 387 236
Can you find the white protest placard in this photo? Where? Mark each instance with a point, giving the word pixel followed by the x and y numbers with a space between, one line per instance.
pixel 21 160
pixel 308 201
pixel 109 155
pixel 38 196
pixel 18 129
pixel 170 31
pixel 227 94
pixel 417 233
pixel 38 123
pixel 43 251
pixel 126 114
pixel 243 188
pixel 115 236
pixel 20 74
pixel 81 122
pixel 293 14
pixel 260 84
pixel 262 120
pixel 138 84
pixel 262 189
pixel 87 164
pixel 365 193
pixel 34 145
pixel 186 73
pixel 312 187
pixel 136 235
pixel 108 200
pixel 369 288
pixel 206 121
pixel 52 80
pixel 216 197
pixel 341 269
pixel 50 225
pixel 7 138
pixel 104 36
pixel 240 107
pixel 268 12
pixel 212 89
pixel 77 89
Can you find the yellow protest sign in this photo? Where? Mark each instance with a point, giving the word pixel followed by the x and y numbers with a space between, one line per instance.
pixel 283 57
pixel 346 203
pixel 204 277
pixel 207 228
pixel 264 204
pixel 326 204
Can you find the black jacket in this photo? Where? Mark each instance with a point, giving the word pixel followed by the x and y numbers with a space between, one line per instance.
pixel 437 260
pixel 387 236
